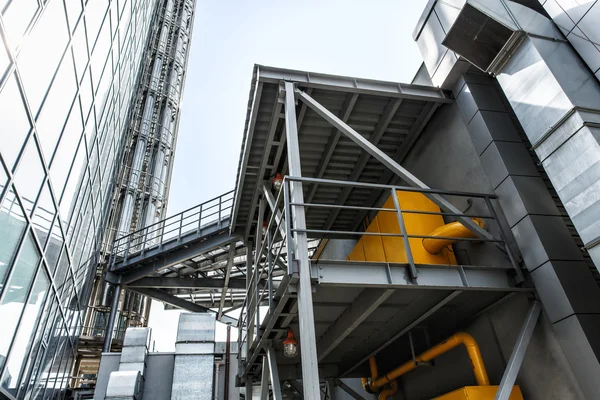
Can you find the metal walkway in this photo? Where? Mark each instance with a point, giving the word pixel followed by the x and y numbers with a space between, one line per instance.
pixel 185 260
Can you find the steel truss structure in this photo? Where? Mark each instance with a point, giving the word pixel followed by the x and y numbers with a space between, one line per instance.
pixel 270 242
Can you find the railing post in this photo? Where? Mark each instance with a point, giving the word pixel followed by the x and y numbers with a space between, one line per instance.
pixel 270 269
pixel 162 233
pixel 220 203
pixel 180 227
pixel 143 249
pixel 127 246
pixel 287 215
pixel 199 218
pixel 411 262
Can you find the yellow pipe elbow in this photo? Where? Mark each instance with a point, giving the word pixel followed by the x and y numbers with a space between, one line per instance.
pixel 392 390
pixel 453 230
pixel 453 341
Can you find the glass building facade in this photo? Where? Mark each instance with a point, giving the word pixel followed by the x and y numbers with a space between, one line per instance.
pixel 68 73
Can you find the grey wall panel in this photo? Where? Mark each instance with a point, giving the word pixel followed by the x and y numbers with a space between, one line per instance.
pixel 108 364
pixel 578 20
pixel 159 377
pixel 193 377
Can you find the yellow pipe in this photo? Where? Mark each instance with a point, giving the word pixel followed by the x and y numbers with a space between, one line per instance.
pixel 437 350
pixel 454 230
pixel 392 390
pixel 373 368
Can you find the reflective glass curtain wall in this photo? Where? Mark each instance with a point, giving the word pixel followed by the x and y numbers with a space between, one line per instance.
pixel 68 69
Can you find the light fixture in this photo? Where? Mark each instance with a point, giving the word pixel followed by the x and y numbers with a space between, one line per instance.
pixel 277 182
pixel 264 228
pixel 290 345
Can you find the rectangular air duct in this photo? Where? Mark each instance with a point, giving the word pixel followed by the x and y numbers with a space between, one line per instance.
pixel 481 39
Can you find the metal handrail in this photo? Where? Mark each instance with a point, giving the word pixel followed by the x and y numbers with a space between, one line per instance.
pixel 213 211
pixel 268 255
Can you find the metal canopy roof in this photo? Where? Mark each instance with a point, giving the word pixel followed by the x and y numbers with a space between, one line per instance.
pixel 390 115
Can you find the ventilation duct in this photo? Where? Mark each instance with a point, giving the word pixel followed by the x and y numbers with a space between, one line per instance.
pixel 482 40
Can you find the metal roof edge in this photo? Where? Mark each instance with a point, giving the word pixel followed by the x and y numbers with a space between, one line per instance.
pixel 351 84
pixel 423 18
pixel 253 97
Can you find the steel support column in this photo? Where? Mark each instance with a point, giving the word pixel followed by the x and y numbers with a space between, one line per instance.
pixel 274 374
pixel 387 161
pixel 516 358
pixel 110 326
pixel 225 289
pixel 308 341
pixel 264 381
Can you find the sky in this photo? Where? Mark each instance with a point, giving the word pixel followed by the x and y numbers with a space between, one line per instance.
pixel 366 39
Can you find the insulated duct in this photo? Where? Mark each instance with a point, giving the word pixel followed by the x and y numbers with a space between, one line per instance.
pixel 552 92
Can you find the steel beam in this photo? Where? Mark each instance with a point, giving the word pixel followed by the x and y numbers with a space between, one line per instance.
pixel 186 283
pixel 382 125
pixel 431 276
pixel 274 374
pixel 348 389
pixel 308 341
pixel 331 143
pixel 331 389
pixel 516 358
pixel 273 207
pixel 275 116
pixel 226 280
pixel 180 303
pixel 296 385
pixel 264 381
pixel 388 162
pixel 351 318
pixel 351 84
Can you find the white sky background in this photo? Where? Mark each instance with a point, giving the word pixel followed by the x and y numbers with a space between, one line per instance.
pixel 360 38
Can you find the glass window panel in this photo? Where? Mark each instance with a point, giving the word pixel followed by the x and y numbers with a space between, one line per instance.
pixel 15 293
pixel 37 350
pixel 124 26
pixel 30 175
pixel 86 96
pixel 114 19
pixel 100 54
pixel 3 179
pixel 24 338
pixel 46 42
pixel 12 226
pixel 80 50
pixel 17 19
pixel 54 246
pixel 94 15
pixel 74 178
pixel 43 215
pixel 73 11
pixel 62 271
pixel 14 122
pixel 61 163
pixel 56 106
pixel 4 60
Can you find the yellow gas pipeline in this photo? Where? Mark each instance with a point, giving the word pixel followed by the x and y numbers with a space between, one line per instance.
pixel 385 393
pixel 451 230
pixel 377 383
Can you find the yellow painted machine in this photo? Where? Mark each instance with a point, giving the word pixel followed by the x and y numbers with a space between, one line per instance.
pixel 424 251
pixel 479 393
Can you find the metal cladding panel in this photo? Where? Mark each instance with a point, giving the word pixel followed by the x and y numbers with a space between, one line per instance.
pixel 137 337
pixel 193 377
pixel 196 327
pixel 123 384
